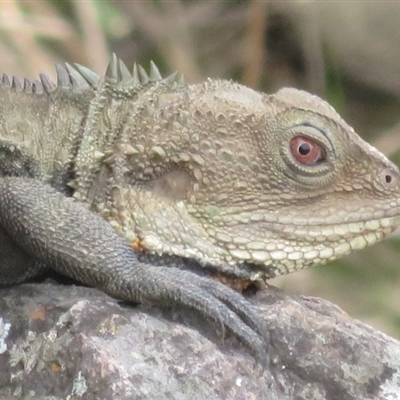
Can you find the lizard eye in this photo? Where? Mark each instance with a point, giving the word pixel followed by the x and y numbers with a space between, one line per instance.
pixel 307 151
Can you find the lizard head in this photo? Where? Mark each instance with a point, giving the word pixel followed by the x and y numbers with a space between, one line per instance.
pixel 276 182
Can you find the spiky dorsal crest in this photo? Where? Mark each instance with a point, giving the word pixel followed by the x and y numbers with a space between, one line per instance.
pixel 37 86
pixel 68 78
pixel 78 78
pixel 118 75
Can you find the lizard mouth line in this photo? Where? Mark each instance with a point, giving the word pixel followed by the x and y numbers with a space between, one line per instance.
pixel 381 219
pixel 334 232
pixel 371 224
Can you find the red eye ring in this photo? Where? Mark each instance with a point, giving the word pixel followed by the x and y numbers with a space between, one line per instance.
pixel 306 151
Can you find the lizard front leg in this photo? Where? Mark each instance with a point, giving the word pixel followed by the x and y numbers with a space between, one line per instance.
pixel 65 235
pixel 16 266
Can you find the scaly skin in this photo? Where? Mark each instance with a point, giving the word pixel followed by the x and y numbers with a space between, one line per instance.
pixel 215 176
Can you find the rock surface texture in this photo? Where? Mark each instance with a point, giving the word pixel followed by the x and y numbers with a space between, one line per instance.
pixel 70 342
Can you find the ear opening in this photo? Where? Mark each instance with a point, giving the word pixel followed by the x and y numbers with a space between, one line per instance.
pixel 174 184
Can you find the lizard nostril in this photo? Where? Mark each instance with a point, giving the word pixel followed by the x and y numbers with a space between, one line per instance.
pixel 388 178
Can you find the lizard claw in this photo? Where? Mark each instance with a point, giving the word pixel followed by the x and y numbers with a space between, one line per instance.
pixel 168 286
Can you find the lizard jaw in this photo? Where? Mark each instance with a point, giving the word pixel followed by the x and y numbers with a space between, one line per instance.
pixel 287 248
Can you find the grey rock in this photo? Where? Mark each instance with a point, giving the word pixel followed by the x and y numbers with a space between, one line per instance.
pixel 70 342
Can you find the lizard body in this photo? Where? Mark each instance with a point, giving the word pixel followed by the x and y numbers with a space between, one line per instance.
pixel 247 185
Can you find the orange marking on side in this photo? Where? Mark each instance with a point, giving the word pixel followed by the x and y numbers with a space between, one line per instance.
pixel 138 245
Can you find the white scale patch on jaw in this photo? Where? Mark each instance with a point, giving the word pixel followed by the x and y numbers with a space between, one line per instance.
pixel 313 245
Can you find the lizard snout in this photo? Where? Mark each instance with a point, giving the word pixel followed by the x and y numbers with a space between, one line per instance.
pixel 387 180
